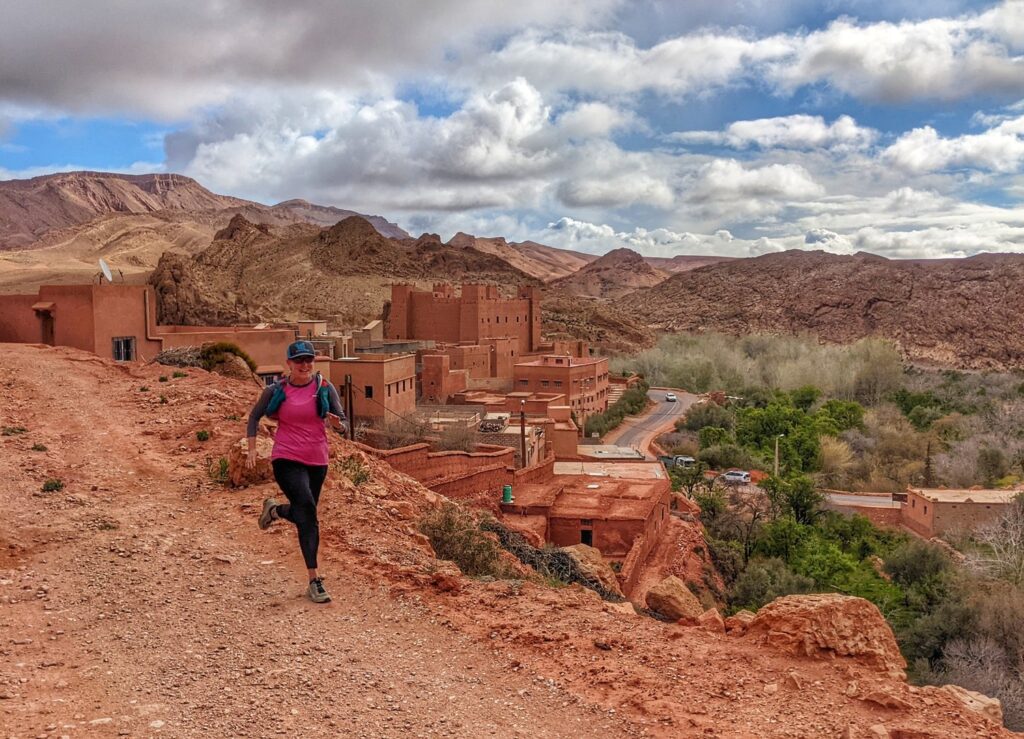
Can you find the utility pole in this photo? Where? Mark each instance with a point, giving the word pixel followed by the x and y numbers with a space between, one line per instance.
pixel 349 410
pixel 522 430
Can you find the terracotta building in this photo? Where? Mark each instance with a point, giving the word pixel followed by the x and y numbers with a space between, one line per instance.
pixel 584 382
pixel 384 385
pixel 438 381
pixel 476 314
pixel 119 322
pixel 931 512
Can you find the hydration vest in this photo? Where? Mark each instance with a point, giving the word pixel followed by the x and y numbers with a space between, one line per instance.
pixel 323 396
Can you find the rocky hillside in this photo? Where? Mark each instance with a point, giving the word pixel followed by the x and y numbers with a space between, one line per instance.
pixel 30 210
pixel 617 273
pixel 955 312
pixel 684 262
pixel 343 273
pixel 546 263
pixel 139 587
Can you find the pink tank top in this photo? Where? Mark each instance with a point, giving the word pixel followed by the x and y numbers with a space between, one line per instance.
pixel 301 435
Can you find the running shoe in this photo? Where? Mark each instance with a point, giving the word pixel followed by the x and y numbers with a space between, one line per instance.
pixel 267 516
pixel 317 592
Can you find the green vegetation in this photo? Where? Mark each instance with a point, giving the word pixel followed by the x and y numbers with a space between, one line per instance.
pixel 456 535
pixel 219 470
pixel 353 468
pixel 39 448
pixel 213 354
pixel 203 435
pixel 163 378
pixel 163 400
pixel 53 485
pixel 632 402
pixel 178 373
pixel 144 389
pixel 13 430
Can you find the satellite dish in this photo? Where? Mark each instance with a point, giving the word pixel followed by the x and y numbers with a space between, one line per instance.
pixel 105 269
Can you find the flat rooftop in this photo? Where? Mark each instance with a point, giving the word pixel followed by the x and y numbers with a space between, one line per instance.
pixel 614 470
pixel 608 451
pixel 940 495
pixel 575 497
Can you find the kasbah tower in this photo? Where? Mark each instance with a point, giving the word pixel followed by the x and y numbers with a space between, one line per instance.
pixel 479 313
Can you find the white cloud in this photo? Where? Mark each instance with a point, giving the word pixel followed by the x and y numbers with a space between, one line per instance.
pixel 728 179
pixel 999 149
pixel 785 132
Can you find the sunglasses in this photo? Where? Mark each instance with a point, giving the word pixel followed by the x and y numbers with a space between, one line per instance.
pixel 303 360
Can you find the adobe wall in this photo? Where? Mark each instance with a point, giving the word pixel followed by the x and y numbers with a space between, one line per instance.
pixel 393 383
pixel 19 324
pixel 267 347
pixel 73 317
pixel 917 514
pixel 965 516
pixel 888 518
pixel 633 564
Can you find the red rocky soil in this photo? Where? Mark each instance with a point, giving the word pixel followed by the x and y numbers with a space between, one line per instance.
pixel 141 600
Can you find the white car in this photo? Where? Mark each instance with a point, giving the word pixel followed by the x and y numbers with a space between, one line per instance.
pixel 671 397
pixel 736 477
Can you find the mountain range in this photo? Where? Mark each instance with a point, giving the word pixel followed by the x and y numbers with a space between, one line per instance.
pixel 216 259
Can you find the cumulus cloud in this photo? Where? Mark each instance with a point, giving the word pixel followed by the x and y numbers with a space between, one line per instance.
pixel 165 58
pixel 999 149
pixel 728 179
pixel 785 132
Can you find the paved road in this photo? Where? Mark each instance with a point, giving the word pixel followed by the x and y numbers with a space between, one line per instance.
pixel 864 501
pixel 640 432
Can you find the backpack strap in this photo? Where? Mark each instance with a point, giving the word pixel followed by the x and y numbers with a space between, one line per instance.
pixel 277 398
pixel 323 395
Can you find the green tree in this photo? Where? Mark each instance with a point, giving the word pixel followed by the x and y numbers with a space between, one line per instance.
pixel 713 436
pixel 991 465
pixel 689 479
pixel 805 397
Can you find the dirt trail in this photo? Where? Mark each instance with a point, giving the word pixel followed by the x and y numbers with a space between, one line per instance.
pixel 141 600
pixel 133 603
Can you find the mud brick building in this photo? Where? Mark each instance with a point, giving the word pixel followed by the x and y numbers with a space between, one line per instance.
pixel 931 512
pixel 119 322
pixel 583 381
pixel 384 385
pixel 475 314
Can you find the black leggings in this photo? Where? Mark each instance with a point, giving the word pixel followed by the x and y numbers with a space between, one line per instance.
pixel 301 483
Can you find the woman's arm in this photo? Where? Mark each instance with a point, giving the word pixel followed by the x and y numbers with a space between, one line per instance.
pixel 337 410
pixel 257 412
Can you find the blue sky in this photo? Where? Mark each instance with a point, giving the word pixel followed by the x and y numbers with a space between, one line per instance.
pixel 700 127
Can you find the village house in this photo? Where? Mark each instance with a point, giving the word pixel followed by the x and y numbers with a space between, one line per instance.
pixel 583 381
pixel 932 512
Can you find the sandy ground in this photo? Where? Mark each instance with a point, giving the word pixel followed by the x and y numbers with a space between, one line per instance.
pixel 141 600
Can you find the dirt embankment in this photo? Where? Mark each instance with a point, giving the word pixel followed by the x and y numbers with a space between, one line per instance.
pixel 140 599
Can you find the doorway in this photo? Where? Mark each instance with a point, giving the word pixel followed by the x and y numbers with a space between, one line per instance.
pixel 587 537
pixel 46 321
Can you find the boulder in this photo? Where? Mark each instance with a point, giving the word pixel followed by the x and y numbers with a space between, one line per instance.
pixel 233 366
pixel 672 599
pixel 238 474
pixel 738 622
pixel 979 702
pixel 594 566
pixel 711 620
pixel 830 625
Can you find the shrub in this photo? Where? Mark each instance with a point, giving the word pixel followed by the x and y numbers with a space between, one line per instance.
pixel 203 435
pixel 917 562
pixel 163 400
pixel 144 389
pixel 13 430
pixel 724 456
pixel 178 373
pixel 213 354
pixel 713 436
pixel 39 447
pixel 219 470
pixel 163 378
pixel 52 486
pixel 458 439
pixel 991 465
pixel 353 468
pixel 707 414
pixel 455 535
pixel 763 581
pixel 633 401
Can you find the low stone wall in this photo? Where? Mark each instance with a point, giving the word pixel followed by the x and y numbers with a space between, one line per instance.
pixel 539 473
pixel 633 564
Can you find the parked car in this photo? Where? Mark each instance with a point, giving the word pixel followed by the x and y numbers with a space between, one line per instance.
pixel 671 397
pixel 679 460
pixel 736 477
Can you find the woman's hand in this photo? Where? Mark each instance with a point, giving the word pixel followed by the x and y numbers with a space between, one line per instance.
pixel 336 422
pixel 250 454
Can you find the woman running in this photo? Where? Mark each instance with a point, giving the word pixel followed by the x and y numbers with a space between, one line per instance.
pixel 302 404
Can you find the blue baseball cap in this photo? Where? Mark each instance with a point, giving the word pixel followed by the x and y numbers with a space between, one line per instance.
pixel 301 349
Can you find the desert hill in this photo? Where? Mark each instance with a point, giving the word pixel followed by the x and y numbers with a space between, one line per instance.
pixel 546 263
pixel 613 275
pixel 343 273
pixel 684 262
pixel 952 312
pixel 54 228
pixel 134 593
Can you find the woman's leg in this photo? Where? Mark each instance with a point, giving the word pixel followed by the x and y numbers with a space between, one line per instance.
pixel 294 480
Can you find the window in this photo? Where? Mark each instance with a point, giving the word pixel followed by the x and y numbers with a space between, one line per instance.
pixel 926 509
pixel 368 392
pixel 558 383
pixel 269 380
pixel 524 383
pixel 544 383
pixel 389 389
pixel 124 349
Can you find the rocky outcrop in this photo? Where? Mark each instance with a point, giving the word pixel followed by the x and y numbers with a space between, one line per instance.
pixel 979 702
pixel 594 566
pixel 545 263
pixel 239 475
pixel 672 599
pixel 617 273
pixel 738 622
pixel 829 625
pixel 952 312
